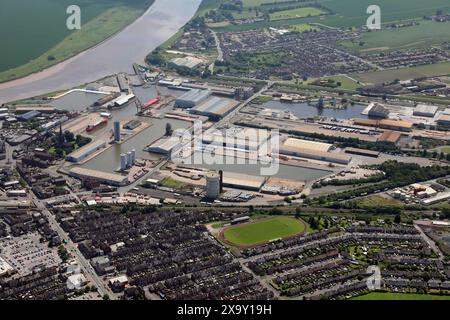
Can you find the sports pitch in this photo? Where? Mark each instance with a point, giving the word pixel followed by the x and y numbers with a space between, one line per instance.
pixel 264 230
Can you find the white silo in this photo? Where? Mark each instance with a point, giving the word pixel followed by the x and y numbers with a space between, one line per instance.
pixel 130 159
pixel 133 156
pixel 123 161
pixel 212 185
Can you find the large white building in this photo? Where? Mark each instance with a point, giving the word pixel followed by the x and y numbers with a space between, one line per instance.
pixel 192 98
pixel 423 110
pixel 84 152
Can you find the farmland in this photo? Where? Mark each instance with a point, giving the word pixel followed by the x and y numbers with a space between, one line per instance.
pixel 404 73
pixel 343 13
pixel 427 33
pixel 263 230
pixel 296 13
pixel 38 38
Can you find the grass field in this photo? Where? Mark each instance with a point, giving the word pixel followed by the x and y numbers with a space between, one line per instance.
pixel 399 296
pixel 427 33
pixel 296 13
pixel 351 13
pixel 404 73
pixel 264 230
pixel 37 37
pixel 172 183
pixel 302 27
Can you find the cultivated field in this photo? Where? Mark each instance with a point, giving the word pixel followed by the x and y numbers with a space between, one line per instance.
pixel 263 230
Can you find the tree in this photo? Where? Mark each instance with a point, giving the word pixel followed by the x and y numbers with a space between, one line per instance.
pixel 398 218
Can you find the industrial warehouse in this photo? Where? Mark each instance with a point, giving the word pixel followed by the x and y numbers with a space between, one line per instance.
pixel 312 150
pixel 83 153
pixel 192 98
pixel 101 176
pixel 215 108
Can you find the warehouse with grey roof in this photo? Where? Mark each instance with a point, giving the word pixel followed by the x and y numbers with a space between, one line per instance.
pixel 192 98
pixel 215 108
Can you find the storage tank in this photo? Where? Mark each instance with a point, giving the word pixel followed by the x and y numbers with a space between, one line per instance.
pixel 133 156
pixel 130 159
pixel 123 161
pixel 212 185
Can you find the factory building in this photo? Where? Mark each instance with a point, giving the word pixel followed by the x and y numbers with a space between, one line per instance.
pixel 362 152
pixel 165 146
pixel 121 101
pixel 315 155
pixel 306 144
pixel 116 131
pixel 215 108
pixel 84 152
pixel 213 185
pixel 192 98
pixel 399 125
pixel 243 181
pixel 29 115
pixel 444 120
pixel 423 110
pixel 378 111
pixel 101 176
pixel 390 136
pixel 248 139
pixel 185 62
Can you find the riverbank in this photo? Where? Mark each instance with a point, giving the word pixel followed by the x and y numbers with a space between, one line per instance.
pixel 117 54
pixel 93 33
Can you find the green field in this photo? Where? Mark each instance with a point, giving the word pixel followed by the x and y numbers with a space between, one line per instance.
pixel 37 37
pixel 427 33
pixel 404 73
pixel 302 27
pixel 264 230
pixel 350 13
pixel 399 296
pixel 296 13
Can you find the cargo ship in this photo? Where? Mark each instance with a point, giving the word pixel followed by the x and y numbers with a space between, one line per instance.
pixel 152 102
pixel 97 125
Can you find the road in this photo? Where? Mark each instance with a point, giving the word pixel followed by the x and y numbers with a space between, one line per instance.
pixel 430 242
pixel 219 51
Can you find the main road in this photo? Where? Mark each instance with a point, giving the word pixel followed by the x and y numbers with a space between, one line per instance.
pixel 116 54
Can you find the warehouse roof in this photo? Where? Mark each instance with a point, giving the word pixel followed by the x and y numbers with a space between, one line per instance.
pixel 384 122
pixel 188 62
pixel 425 109
pixel 316 153
pixel 195 95
pixel 243 180
pixel 306 144
pixel 88 148
pixel 101 175
pixel 165 145
pixel 216 106
pixel 29 115
pixel 390 136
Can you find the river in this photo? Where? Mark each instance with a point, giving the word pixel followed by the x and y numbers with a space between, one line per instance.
pixel 117 54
